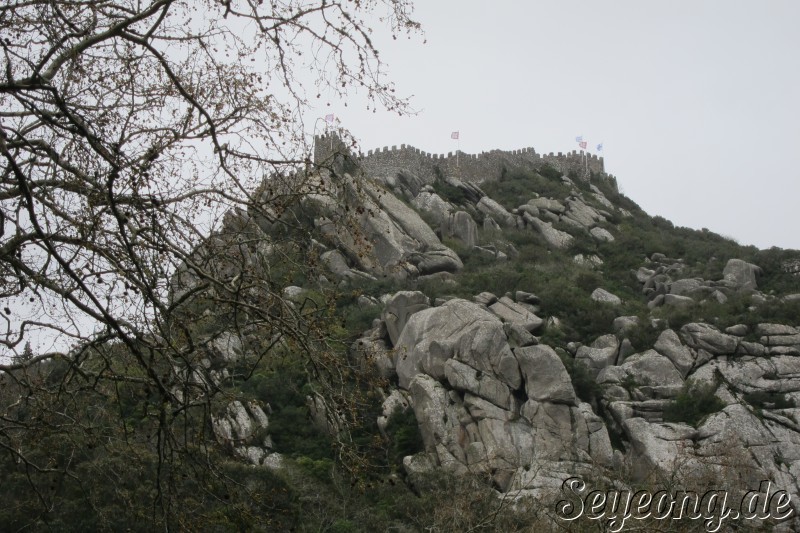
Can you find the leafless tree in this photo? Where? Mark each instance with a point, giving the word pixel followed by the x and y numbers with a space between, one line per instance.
pixel 127 129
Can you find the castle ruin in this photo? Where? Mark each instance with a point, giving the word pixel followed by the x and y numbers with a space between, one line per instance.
pixel 472 168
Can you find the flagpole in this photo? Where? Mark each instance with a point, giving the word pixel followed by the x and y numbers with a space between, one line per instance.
pixel 457 137
pixel 584 146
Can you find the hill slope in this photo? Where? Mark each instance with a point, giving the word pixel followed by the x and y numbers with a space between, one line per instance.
pixel 518 331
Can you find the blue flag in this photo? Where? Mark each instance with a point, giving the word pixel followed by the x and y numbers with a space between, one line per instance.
pixel 579 138
pixel 600 147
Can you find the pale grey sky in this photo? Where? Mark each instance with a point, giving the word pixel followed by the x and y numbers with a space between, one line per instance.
pixel 696 102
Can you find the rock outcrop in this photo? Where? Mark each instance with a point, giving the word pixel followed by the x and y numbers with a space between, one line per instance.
pixel 483 405
pixel 389 237
pixel 496 384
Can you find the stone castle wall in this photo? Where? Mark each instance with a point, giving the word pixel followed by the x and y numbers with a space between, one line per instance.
pixel 473 168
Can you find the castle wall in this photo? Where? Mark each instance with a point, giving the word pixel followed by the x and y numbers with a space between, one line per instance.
pixel 473 168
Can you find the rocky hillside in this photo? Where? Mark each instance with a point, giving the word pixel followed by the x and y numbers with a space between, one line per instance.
pixel 541 326
pixel 497 338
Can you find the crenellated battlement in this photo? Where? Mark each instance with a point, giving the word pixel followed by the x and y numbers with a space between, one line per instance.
pixel 473 168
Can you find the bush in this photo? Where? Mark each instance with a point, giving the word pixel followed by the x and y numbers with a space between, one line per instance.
pixel 404 436
pixel 583 382
pixel 693 403
pixel 517 186
pixel 450 193
pixel 643 335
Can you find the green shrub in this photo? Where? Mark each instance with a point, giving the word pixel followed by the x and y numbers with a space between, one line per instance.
pixel 450 193
pixel 643 335
pixel 517 186
pixel 583 382
pixel 693 403
pixel 404 436
pixel 284 388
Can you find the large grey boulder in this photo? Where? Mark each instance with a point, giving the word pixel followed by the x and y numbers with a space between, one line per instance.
pixel 590 261
pixel 595 433
pixel 457 329
pixel 461 226
pixel 600 197
pixel 741 274
pixel 463 377
pixel 547 204
pixel 396 402
pixel 546 378
pixel 669 345
pixel 527 298
pixel 518 336
pixel 440 434
pixel 336 262
pixel 686 286
pixel 602 353
pixel 375 354
pixel 624 324
pixel 603 296
pixel 509 311
pixel 698 335
pixel 399 240
pixel 643 275
pixel 226 348
pixel 659 446
pixel 498 213
pixel 775 329
pixel 675 300
pixel 243 428
pixel 434 261
pixel 554 432
pixel 582 214
pixel 781 340
pixel 601 234
pixel 399 308
pixel 654 375
pixel 485 298
pixel 530 209
pixel 405 183
pixel 490 227
pixel 470 433
pixel 239 423
pixel 553 236
pixel 505 445
pixel 433 204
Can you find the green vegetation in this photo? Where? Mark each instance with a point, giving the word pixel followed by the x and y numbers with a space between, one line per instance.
pixel 517 186
pixel 693 404
pixel 449 193
pixel 355 481
pixel 584 383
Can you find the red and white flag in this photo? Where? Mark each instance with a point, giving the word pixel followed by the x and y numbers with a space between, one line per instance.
pixel 454 135
pixel 329 118
pixel 583 145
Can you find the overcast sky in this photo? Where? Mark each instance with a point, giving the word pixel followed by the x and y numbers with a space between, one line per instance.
pixel 697 103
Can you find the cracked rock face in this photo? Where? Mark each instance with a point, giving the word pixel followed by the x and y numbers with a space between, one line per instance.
pixel 391 238
pixel 243 428
pixel 486 404
pixel 483 406
pixel 488 397
pixel 754 436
